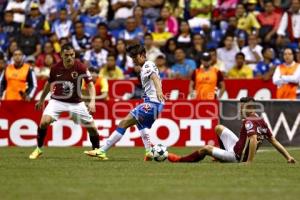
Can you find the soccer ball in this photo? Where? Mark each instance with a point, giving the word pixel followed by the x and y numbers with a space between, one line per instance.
pixel 159 152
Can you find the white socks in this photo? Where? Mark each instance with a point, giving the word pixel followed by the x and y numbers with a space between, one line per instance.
pixel 113 139
pixel 146 138
pixel 116 136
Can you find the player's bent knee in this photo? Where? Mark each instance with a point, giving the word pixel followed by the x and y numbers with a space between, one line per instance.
pixel 219 129
pixel 46 121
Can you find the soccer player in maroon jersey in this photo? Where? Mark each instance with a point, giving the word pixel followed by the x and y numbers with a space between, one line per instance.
pixel 65 84
pixel 254 130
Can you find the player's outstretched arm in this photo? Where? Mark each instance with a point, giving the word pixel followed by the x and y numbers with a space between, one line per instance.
pixel 46 90
pixel 281 149
pixel 158 88
pixel 92 94
pixel 252 147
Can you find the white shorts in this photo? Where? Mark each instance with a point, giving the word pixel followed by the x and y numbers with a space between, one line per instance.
pixel 229 139
pixel 78 111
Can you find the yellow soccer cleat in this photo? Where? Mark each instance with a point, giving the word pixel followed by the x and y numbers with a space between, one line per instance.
pixel 36 154
pixel 97 153
pixel 148 155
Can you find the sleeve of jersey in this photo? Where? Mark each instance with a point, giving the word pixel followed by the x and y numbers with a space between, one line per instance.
pixel 149 69
pixel 87 76
pixel 51 76
pixel 250 128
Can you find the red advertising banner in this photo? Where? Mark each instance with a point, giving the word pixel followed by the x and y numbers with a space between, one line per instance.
pixel 257 88
pixel 179 89
pixel 182 123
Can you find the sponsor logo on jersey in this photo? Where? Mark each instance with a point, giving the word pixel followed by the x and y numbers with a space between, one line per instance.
pixel 248 125
pixel 146 107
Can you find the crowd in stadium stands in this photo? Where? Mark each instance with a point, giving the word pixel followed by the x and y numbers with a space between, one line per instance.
pixel 245 38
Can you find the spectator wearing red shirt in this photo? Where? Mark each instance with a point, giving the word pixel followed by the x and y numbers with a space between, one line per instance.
pixel 269 21
pixel 47 50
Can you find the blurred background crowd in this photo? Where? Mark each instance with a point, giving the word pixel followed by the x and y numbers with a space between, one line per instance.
pixel 243 39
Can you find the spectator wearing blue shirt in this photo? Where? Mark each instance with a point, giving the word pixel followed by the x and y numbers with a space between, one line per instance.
pixel 37 20
pixel 62 27
pixel 132 33
pixel 80 40
pixel 183 68
pixel 9 27
pixel 97 56
pixel 91 20
pixel 70 5
pixel 3 41
pixel 143 22
pixel 265 68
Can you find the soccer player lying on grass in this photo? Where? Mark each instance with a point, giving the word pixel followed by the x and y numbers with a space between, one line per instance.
pixel 254 130
pixel 144 114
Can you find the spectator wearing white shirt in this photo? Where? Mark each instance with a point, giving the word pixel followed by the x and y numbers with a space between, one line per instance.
pixel 122 10
pixel 228 52
pixel 47 8
pixel 151 51
pixel 289 26
pixel 62 26
pixel 97 56
pixel 19 9
pixel 252 52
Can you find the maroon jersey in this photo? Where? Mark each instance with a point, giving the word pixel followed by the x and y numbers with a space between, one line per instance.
pixel 66 82
pixel 252 125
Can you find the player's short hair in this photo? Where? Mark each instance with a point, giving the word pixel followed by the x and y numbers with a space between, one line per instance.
pixel 247 99
pixel 135 50
pixel 67 46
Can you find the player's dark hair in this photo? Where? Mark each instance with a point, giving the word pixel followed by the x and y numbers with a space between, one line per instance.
pixel 247 99
pixel 67 46
pixel 135 50
pixel 240 54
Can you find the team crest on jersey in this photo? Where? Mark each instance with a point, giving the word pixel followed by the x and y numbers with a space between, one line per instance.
pixel 68 88
pixel 146 107
pixel 74 74
pixel 248 125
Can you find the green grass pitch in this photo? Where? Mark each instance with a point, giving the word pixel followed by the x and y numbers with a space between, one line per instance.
pixel 66 173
